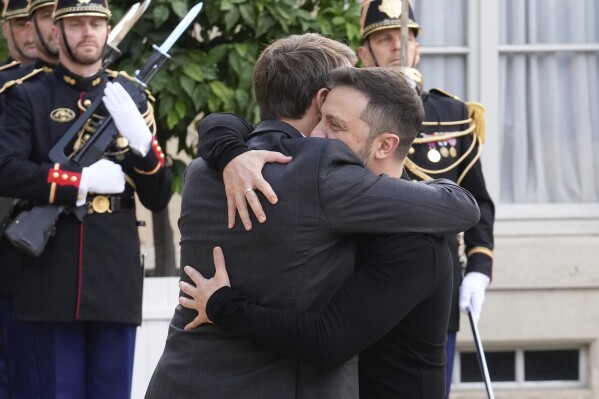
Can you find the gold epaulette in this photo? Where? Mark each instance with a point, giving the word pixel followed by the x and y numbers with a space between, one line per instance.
pixel 9 65
pixel 476 116
pixel 476 111
pixel 22 79
pixel 114 74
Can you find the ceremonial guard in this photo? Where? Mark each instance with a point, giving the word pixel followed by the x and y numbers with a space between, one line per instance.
pixel 83 294
pixel 449 146
pixel 15 335
pixel 19 39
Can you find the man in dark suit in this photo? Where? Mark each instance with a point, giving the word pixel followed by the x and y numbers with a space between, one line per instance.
pixel 302 255
pixel 448 146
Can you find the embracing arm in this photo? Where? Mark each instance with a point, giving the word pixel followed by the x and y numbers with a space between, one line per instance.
pixel 355 200
pixel 223 146
pixel 399 274
pixel 222 137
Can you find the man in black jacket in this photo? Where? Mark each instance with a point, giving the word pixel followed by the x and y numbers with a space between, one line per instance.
pixel 449 146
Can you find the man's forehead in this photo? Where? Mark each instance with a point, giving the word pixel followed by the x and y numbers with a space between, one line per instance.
pixel 344 102
pixel 84 18
pixel 390 32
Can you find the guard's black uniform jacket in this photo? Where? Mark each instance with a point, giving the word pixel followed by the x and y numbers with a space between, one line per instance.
pixel 9 255
pixel 449 147
pixel 89 270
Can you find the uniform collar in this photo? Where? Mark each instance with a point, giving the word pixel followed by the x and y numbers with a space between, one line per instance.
pixel 79 82
pixel 43 64
pixel 277 126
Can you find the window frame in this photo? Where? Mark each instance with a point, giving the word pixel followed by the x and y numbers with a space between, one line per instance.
pixel 520 383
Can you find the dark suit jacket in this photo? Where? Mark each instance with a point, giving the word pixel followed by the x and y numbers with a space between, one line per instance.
pixel 393 310
pixel 297 260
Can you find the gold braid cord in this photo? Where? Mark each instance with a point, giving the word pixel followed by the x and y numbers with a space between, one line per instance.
pixel 449 123
pixel 9 65
pixel 19 81
pixel 416 170
pixel 474 159
pixel 443 137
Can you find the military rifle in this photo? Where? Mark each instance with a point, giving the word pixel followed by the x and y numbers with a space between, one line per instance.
pixel 111 50
pixel 31 230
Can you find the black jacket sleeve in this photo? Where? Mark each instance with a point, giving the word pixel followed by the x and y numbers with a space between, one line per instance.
pixel 222 138
pixel 398 273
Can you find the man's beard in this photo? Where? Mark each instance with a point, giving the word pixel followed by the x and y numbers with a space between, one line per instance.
pixel 42 45
pixel 364 152
pixel 87 59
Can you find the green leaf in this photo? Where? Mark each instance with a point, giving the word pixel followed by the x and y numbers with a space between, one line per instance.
pixel 198 97
pixel 172 118
pixel 226 5
pixel 264 24
pixel 248 14
pixel 187 84
pixel 216 54
pixel 236 63
pixel 179 7
pixel 180 109
pixel 165 105
pixel 160 15
pixel 352 31
pixel 338 20
pixel 214 104
pixel 231 19
pixel 242 98
pixel 194 71
pixel 223 92
pixel 241 49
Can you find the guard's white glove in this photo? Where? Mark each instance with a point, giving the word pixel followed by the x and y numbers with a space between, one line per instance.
pixel 472 293
pixel 127 118
pixel 102 177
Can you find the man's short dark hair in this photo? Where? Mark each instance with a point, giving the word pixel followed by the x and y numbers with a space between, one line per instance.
pixel 291 70
pixel 393 105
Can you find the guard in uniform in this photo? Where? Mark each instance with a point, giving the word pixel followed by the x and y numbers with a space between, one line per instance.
pixel 19 39
pixel 15 336
pixel 83 294
pixel 449 146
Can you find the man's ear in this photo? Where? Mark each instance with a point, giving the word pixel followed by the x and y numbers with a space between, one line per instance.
pixel 321 96
pixel 364 55
pixel 385 145
pixel 54 32
pixel 5 29
pixel 417 55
